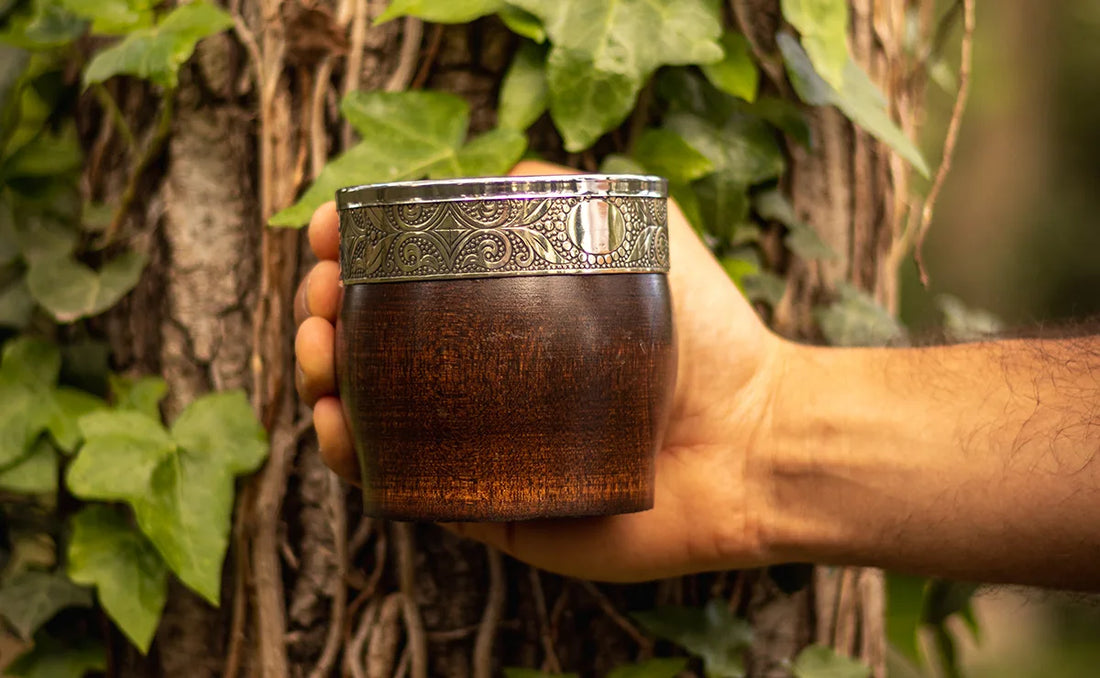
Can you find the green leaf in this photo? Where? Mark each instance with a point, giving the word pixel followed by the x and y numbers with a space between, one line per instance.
pixel 47 155
pixel 688 200
pixel 713 634
pixel 142 394
pixel 128 574
pixel 523 23
pixel 180 485
pixel 34 474
pixel 801 238
pixel 524 95
pixel 67 407
pixel 42 237
pixel 29 599
pixel 47 25
pixel 819 661
pixel 620 164
pixel 69 290
pixel 519 672
pixel 967 324
pixel 946 598
pixel 743 148
pixel 405 135
pixel 31 361
pixel 737 269
pixel 156 53
pixel 603 52
pixel 50 658
pixel 904 608
pixel 440 11
pixel 665 153
pixel 764 286
pixel 858 98
pixel 13 61
pixel 665 667
pixel 786 116
pixel 855 319
pixel 490 154
pixel 16 304
pixel 736 73
pixel 824 28
pixel 723 204
pixel 113 17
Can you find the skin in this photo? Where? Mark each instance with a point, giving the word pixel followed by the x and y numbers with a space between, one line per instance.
pixel 972 461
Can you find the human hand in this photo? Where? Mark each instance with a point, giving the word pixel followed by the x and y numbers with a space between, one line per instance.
pixel 711 470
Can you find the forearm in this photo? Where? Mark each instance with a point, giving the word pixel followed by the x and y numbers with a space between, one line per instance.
pixel 972 461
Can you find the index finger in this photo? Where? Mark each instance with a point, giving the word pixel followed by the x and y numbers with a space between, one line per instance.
pixel 324 232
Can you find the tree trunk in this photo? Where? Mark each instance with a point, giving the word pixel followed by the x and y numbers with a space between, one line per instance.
pixel 311 587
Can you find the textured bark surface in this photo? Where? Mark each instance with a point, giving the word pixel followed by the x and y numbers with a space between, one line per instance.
pixel 310 587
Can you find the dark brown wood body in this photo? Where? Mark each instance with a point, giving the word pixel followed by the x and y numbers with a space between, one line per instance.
pixel 507 398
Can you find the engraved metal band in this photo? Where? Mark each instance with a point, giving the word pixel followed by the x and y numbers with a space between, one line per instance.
pixel 504 236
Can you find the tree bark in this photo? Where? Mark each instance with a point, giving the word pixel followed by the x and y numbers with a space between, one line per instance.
pixel 310 587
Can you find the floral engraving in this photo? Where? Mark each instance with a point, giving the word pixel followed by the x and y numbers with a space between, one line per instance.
pixel 497 237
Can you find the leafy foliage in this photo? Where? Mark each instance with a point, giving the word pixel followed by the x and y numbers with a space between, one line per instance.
pixel 602 53
pixel 179 482
pixel 653 668
pixel 712 633
pixel 30 598
pixel 52 658
pixel 736 73
pixel 856 320
pixel 823 25
pixel 857 97
pixel 407 135
pixel 69 290
pixel 156 53
pixel 820 661
pixel 129 575
pixel 524 93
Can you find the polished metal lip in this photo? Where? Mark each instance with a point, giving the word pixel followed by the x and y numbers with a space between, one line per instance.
pixel 503 188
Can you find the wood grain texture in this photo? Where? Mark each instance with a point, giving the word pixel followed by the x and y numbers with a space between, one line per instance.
pixel 507 398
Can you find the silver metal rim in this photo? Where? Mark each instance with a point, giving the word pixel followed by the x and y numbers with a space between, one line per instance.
pixel 503 188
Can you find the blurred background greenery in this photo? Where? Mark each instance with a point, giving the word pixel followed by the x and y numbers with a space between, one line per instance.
pixel 1017 233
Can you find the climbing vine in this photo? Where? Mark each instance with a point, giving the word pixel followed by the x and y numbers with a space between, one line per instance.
pixel 102 501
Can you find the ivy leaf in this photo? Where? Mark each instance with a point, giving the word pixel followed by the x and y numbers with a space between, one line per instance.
pixel 665 153
pixel 616 163
pixel 180 484
pixel 113 17
pixel 665 667
pixel 67 407
pixel 31 361
pixel 764 286
pixel 46 26
pixel 904 607
pixel 967 324
pixel 855 319
pixel 519 672
pixel 29 599
pixel 440 11
pixel 738 269
pixel 16 304
pixel 712 633
pixel 42 237
pixel 46 155
pixel 50 658
pixel 723 204
pixel 736 73
pixel 603 53
pixel 823 25
pixel 858 98
pixel 524 95
pixel 156 53
pixel 819 661
pixel 13 61
pixel 786 116
pixel 128 574
pixel 405 135
pixel 34 474
pixel 142 394
pixel 489 154
pixel 522 23
pixel 69 290
pixel 743 147
pixel 801 238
